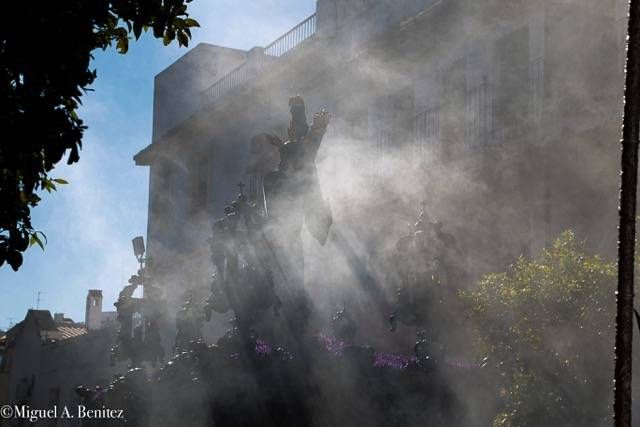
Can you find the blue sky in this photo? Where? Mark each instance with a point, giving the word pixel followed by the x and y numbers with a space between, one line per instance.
pixel 90 222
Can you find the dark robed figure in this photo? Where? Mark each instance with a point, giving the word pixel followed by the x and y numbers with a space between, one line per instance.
pixel 292 193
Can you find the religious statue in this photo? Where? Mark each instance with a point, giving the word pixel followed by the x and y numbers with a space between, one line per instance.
pixel 426 273
pixel 292 194
pixel 188 324
pixel 242 281
pixel 138 337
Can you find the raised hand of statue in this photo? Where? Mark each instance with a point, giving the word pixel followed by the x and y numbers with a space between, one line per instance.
pixel 320 121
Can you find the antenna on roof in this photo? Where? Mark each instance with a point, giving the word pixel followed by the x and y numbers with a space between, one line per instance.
pixel 38 301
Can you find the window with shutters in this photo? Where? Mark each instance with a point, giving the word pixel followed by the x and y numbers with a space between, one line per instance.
pixel 426 130
pixel 479 115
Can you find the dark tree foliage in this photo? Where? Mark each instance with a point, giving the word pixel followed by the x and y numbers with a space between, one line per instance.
pixel 45 53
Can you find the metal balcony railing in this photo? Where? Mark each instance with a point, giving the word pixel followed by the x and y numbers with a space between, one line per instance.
pixel 277 49
pixel 288 41
pixel 233 78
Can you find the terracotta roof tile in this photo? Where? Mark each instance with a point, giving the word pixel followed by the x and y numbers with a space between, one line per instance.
pixel 67 332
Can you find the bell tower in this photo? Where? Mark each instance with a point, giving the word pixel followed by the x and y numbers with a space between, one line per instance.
pixel 93 315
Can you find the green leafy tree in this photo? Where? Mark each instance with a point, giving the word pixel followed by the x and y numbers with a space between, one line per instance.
pixel 45 53
pixel 548 325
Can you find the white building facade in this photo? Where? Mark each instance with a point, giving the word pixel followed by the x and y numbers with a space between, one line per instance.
pixel 500 117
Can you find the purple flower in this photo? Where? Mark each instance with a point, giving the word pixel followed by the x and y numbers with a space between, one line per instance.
pixel 332 344
pixel 393 361
pixel 262 347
